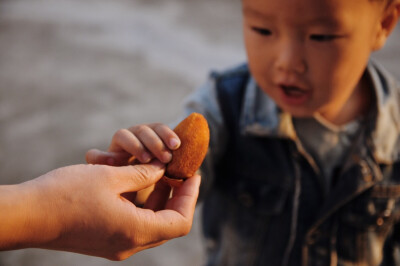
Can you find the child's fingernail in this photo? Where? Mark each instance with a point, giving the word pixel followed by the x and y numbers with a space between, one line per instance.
pixel 146 157
pixel 174 143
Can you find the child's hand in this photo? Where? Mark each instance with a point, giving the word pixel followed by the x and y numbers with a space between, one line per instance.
pixel 143 142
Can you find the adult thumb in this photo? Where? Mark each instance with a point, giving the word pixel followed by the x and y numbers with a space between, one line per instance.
pixel 139 176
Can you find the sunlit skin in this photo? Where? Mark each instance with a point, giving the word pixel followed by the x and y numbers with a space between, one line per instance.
pixel 89 209
pixel 310 55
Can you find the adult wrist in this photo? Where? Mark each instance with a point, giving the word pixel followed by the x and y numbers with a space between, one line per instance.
pixel 24 217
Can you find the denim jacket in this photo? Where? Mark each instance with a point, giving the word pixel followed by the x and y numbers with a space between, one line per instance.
pixel 263 200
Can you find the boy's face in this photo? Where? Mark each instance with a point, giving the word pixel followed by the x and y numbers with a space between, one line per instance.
pixel 309 55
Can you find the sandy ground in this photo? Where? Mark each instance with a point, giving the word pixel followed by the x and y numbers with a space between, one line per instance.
pixel 73 72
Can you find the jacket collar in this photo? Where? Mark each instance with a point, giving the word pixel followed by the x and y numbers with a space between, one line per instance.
pixel 385 127
pixel 262 117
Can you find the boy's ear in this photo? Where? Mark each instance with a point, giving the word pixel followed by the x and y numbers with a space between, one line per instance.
pixel 387 23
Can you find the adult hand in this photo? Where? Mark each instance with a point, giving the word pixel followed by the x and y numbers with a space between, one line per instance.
pixel 88 209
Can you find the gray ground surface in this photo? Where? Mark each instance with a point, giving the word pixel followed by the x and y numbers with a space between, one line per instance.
pixel 73 72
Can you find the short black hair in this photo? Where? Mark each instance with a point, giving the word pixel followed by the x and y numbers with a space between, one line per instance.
pixel 386 2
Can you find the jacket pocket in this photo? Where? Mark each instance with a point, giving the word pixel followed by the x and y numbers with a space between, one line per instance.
pixel 373 209
pixel 260 197
pixel 366 223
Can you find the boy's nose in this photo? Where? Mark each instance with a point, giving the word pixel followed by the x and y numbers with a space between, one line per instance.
pixel 290 58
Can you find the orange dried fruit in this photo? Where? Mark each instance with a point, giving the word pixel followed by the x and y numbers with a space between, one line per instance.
pixel 194 134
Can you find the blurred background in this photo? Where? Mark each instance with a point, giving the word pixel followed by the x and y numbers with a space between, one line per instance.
pixel 73 72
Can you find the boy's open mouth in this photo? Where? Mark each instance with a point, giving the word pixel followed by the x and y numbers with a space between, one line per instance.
pixel 294 95
pixel 293 91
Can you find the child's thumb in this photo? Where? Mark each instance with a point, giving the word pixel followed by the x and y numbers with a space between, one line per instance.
pixel 140 176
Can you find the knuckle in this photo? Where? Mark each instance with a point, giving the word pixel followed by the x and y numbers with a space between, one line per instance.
pixel 141 129
pixel 158 127
pixel 141 173
pixel 163 129
pixel 120 134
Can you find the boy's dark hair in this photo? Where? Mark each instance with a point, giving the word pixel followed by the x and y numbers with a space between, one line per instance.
pixel 387 3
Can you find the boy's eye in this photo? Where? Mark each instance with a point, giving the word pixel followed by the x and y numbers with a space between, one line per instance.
pixel 261 31
pixel 322 37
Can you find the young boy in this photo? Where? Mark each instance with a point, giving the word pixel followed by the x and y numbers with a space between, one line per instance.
pixel 304 160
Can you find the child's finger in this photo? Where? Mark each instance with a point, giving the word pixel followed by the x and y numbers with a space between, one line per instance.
pixel 95 156
pixel 167 135
pixel 153 143
pixel 124 140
